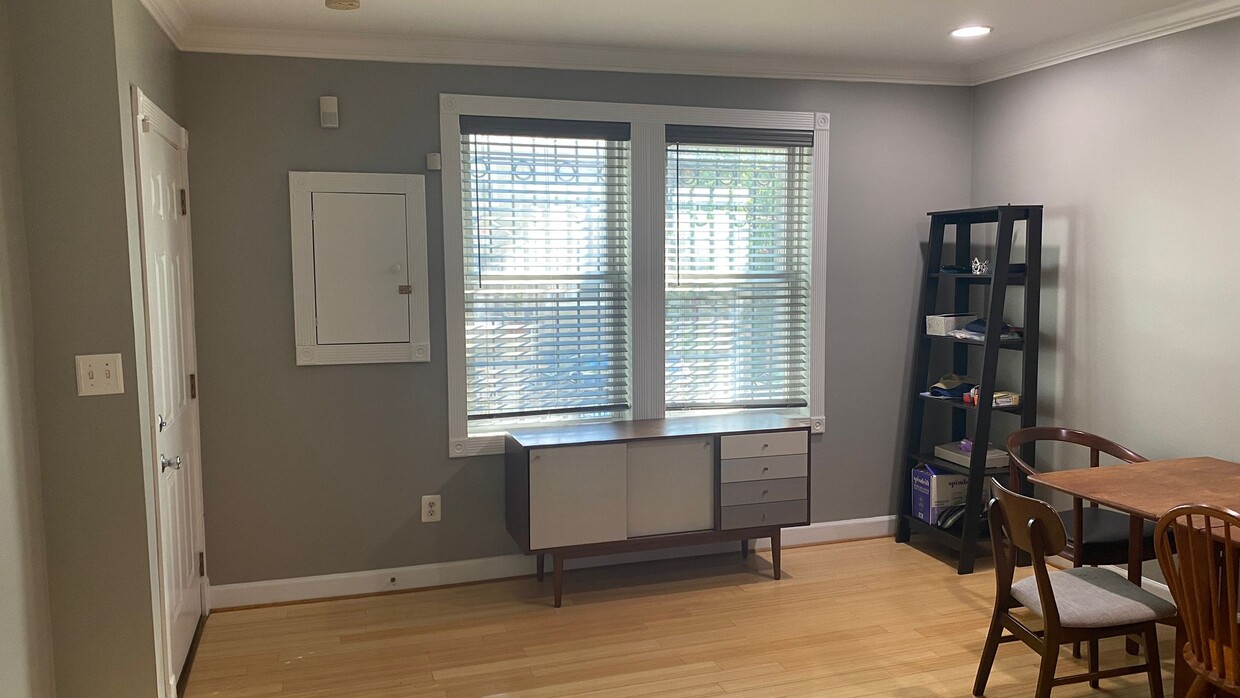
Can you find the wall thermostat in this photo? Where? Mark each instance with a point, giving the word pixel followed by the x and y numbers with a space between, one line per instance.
pixel 434 161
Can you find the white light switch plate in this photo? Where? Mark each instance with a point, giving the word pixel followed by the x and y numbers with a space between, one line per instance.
pixel 100 374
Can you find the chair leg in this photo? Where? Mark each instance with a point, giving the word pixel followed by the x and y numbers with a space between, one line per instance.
pixel 1093 662
pixel 1046 671
pixel 1152 665
pixel 988 653
pixel 1200 688
pixel 1076 650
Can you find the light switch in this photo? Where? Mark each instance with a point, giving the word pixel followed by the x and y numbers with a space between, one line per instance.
pixel 99 374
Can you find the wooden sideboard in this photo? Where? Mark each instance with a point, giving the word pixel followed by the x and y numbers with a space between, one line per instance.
pixel 599 489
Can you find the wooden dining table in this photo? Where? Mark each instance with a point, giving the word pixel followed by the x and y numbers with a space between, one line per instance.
pixel 1146 491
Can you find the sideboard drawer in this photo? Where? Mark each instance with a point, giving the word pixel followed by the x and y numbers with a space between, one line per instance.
pixel 772 468
pixel 770 514
pixel 762 491
pixel 774 443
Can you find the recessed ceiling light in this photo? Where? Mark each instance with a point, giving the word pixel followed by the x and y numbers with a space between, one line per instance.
pixel 344 4
pixel 970 32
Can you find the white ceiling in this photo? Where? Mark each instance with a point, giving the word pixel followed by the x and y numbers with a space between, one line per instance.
pixel 889 40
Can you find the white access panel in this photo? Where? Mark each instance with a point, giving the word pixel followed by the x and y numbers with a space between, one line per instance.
pixel 360 288
pixel 361 281
pixel 671 486
pixel 577 495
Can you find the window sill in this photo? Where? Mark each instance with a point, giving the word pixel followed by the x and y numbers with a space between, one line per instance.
pixel 493 444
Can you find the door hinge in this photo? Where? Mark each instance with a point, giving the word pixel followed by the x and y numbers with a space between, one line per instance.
pixel 193 386
pixel 184 203
pixel 202 564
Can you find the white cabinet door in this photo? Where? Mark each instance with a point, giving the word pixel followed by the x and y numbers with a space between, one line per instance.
pixel 577 495
pixel 671 486
pixel 360 248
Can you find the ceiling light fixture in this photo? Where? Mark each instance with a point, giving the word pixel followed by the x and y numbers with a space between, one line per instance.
pixel 344 4
pixel 971 32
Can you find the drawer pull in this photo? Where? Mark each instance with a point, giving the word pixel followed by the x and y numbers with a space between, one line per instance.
pixel 766 468
pixel 765 492
pixel 764 517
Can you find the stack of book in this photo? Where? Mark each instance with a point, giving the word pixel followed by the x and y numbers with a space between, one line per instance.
pixel 1002 398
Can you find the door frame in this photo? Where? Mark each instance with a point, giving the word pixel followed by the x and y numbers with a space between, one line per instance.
pixel 147 116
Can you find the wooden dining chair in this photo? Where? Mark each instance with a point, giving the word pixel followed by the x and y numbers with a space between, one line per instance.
pixel 1198 549
pixel 1083 604
pixel 1096 536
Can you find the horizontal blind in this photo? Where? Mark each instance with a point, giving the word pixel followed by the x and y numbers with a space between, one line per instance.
pixel 546 271
pixel 738 271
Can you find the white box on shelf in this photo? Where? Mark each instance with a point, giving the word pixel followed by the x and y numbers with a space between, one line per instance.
pixel 935 490
pixel 995 458
pixel 940 325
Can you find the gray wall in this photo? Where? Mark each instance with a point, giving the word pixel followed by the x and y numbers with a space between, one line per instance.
pixel 1136 154
pixel 73 64
pixel 319 470
pixel 25 643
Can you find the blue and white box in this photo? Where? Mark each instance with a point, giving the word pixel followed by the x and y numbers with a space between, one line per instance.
pixel 935 490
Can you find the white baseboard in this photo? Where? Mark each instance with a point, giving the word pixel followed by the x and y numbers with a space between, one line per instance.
pixel 483 569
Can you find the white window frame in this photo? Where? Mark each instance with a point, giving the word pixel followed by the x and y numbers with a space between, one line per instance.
pixel 649 182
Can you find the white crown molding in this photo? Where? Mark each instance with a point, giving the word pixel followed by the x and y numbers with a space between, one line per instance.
pixel 171 16
pixel 1143 28
pixel 178 24
pixel 407 49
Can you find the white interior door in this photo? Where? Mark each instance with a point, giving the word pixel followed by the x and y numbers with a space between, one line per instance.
pixel 168 284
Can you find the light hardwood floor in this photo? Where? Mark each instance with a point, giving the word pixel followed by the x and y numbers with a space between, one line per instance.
pixel 866 618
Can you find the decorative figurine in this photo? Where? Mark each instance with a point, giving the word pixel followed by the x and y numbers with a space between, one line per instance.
pixel 981 266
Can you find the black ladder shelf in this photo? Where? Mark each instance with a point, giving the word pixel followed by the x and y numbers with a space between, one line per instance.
pixel 965 536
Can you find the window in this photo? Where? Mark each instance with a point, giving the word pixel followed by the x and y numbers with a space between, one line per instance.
pixel 738 258
pixel 546 268
pixel 612 261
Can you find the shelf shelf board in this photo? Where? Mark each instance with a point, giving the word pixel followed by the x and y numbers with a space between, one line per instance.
pixel 1012 279
pixel 949 537
pixel 1018 343
pixel 985 214
pixel 937 462
pixel 960 404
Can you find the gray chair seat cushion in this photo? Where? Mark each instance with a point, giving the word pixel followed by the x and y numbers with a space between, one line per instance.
pixel 1091 597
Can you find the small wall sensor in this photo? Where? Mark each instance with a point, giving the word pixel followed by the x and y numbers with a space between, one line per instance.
pixel 434 161
pixel 329 112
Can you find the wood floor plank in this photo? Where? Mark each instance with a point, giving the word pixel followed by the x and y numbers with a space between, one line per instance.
pixel 864 618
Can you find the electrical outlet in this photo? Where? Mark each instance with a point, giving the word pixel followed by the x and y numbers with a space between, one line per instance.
pixel 100 374
pixel 431 508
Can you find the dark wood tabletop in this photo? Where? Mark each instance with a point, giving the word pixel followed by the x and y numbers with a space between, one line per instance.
pixel 641 429
pixel 1151 489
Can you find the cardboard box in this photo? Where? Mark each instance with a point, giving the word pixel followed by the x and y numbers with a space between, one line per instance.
pixel 935 490
pixel 995 458
pixel 940 325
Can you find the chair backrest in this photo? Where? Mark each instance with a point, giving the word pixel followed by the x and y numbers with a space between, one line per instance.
pixel 1030 524
pixel 1096 445
pixel 1198 547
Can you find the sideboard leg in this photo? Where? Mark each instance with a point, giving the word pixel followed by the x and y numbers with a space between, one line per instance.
pixel 744 548
pixel 558 577
pixel 541 566
pixel 775 551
